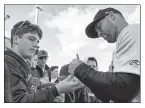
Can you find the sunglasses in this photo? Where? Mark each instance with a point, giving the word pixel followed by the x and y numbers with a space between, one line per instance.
pixel 25 24
pixel 21 25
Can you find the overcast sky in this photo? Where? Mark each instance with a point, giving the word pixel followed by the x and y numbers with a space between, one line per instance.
pixel 64 30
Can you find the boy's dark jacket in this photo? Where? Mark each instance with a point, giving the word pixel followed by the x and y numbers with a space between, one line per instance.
pixel 19 71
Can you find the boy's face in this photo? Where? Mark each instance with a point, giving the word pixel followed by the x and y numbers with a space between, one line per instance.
pixel 27 44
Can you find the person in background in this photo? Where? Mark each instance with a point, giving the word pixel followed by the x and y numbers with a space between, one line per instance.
pixel 35 82
pixel 92 62
pixel 42 67
pixel 7 43
pixel 34 63
pixel 54 74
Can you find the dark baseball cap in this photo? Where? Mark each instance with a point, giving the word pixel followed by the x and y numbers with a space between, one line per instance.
pixel 42 53
pixel 90 29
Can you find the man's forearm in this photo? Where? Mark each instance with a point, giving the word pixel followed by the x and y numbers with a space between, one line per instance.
pixel 107 85
pixel 89 77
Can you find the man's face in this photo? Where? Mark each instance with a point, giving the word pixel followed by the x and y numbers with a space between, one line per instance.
pixel 92 64
pixel 42 60
pixel 34 61
pixel 27 44
pixel 54 72
pixel 106 29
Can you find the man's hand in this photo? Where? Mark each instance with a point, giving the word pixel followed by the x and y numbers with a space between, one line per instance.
pixel 68 85
pixel 73 65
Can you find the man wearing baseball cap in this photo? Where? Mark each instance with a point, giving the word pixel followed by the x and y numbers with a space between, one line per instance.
pixel 123 84
pixel 42 67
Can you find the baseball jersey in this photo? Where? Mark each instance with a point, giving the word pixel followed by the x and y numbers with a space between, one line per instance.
pixel 126 56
